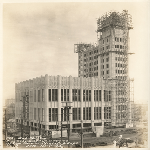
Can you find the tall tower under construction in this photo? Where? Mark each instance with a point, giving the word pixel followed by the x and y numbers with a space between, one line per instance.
pixel 108 59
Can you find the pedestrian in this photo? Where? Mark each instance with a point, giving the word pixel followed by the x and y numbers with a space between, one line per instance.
pixel 120 141
pixel 136 142
pixel 114 143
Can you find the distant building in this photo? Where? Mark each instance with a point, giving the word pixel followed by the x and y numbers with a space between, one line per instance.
pixel 10 108
pixel 8 102
pixel 140 112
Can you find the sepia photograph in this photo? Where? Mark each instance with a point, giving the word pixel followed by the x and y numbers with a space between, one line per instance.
pixel 75 74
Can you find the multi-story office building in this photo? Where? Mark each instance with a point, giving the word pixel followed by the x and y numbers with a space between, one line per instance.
pixel 9 102
pixel 88 61
pixel 47 96
pixel 10 108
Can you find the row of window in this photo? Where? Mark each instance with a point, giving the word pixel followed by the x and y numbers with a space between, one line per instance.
pixel 120 115
pixel 107 60
pixel 91 75
pixel 38 95
pixel 107 54
pixel 120 59
pixel 95 68
pixel 53 94
pixel 120 65
pixel 119 39
pixel 87 113
pixel 107 112
pixel 97 113
pixel 86 95
pixel 76 113
pixel 117 71
pixel 103 73
pixel 53 114
pixel 95 74
pixel 121 107
pixel 90 64
pixel 40 112
pixel 120 46
pixel 91 58
pixel 107 47
pixel 95 57
pixel 106 40
pixel 91 69
pixel 120 77
pixel 121 53
pixel 107 66
pixel 65 94
pixel 92 52
pixel 96 62
pixel 120 71
pixel 76 95
pixel 54 127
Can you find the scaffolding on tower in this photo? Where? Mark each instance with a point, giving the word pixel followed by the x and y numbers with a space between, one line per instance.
pixel 81 49
pixel 120 85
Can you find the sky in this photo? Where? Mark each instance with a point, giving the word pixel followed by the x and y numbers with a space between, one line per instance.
pixel 39 38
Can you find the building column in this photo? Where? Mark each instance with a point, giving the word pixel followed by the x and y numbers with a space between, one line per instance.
pixel 59 101
pixel 113 107
pixel 46 118
pixel 81 97
pixel 16 102
pixel 36 105
pixel 102 101
pixel 70 100
pixel 130 114
pixel 92 102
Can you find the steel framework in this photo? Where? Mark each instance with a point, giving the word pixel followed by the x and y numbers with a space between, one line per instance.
pixel 120 85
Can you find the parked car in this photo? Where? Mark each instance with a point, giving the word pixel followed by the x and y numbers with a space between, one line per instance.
pixel 102 143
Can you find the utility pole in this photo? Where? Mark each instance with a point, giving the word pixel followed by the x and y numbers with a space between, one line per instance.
pixel 39 129
pixel 21 127
pixel 67 114
pixel 61 130
pixel 81 135
pixel 5 126
pixel 25 113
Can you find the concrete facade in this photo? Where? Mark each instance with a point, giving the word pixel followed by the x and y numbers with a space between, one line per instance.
pixel 89 99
